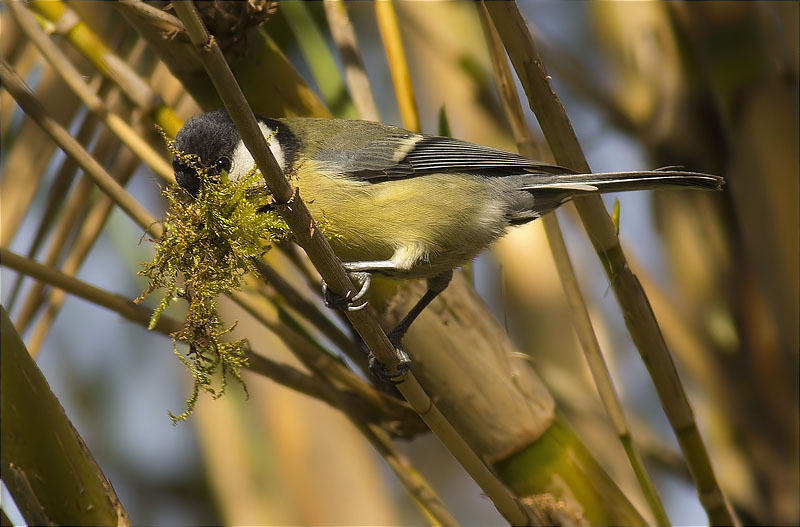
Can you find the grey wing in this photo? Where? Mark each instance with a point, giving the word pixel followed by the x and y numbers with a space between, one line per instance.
pixel 403 155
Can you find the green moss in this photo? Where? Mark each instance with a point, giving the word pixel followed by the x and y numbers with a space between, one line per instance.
pixel 209 245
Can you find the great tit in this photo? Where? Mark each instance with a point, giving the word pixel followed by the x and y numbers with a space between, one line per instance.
pixel 404 204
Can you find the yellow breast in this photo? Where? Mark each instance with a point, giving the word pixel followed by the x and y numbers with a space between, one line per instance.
pixel 426 224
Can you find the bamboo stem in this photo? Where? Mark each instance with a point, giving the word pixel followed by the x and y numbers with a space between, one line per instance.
pixel 83 242
pixel 398 67
pixel 72 77
pixel 321 255
pixel 309 310
pixel 139 314
pixel 636 309
pixel 355 75
pixel 33 109
pixel 319 58
pixel 579 312
pixel 107 62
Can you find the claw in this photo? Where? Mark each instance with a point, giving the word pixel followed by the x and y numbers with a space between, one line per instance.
pixel 403 362
pixel 391 377
pixel 334 301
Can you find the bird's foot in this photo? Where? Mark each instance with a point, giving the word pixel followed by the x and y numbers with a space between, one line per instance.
pixel 349 303
pixel 391 377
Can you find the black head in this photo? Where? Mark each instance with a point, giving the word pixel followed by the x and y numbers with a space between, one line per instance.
pixel 212 137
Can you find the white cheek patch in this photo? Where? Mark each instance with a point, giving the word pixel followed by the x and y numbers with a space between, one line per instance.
pixel 242 161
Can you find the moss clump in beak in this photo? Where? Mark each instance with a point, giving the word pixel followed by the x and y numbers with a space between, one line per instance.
pixel 210 242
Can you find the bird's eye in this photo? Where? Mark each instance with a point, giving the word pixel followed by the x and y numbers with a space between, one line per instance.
pixel 223 164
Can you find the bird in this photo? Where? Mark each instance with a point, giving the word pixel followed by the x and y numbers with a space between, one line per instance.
pixel 400 203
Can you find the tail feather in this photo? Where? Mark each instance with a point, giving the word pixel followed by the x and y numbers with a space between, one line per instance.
pixel 623 181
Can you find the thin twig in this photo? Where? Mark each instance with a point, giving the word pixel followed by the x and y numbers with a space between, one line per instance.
pixel 55 198
pixel 74 208
pixel 355 74
pixel 281 373
pixel 108 63
pixel 398 67
pixel 61 64
pixel 321 255
pixel 26 159
pixel 157 18
pixel 117 303
pixel 124 167
pixel 580 314
pixel 312 313
pixel 285 375
pixel 74 211
pixel 417 487
pixel 316 358
pixel 33 109
pixel 636 309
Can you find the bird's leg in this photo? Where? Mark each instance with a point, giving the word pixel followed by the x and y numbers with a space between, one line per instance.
pixel 361 271
pixel 436 285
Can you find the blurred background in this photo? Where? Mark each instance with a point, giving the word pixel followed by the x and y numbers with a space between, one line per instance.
pixel 711 86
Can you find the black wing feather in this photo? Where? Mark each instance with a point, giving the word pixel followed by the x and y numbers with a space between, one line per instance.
pixel 441 154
